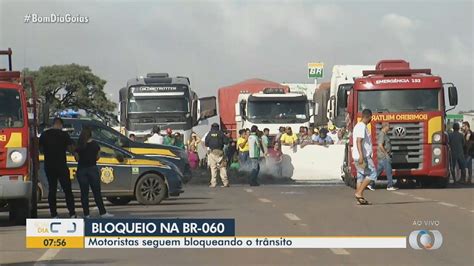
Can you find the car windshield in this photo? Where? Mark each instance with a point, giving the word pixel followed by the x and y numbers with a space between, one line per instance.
pixel 277 111
pixel 154 104
pixel 400 100
pixel 109 136
pixel 11 112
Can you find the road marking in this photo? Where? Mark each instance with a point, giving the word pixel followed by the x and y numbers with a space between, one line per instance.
pixel 292 217
pixel 447 204
pixel 48 255
pixel 248 190
pixel 420 198
pixel 339 251
pixel 400 193
pixel 264 200
pixel 291 192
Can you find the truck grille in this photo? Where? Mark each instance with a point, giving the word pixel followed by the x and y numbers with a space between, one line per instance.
pixel 407 149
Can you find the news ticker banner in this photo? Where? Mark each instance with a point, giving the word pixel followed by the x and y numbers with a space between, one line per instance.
pixel 178 233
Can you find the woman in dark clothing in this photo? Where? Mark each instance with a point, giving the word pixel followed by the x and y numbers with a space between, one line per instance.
pixel 88 175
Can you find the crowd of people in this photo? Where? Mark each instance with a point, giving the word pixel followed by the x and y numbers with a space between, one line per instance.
pixel 54 144
pixel 461 143
pixel 255 147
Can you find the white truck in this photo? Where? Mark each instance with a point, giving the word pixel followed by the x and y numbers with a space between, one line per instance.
pixel 274 107
pixel 342 80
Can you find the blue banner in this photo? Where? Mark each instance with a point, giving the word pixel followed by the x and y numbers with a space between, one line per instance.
pixel 159 227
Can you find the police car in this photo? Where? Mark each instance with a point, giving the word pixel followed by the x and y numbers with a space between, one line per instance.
pixel 106 134
pixel 126 176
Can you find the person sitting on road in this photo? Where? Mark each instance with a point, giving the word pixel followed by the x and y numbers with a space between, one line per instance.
pixel 155 138
pixel 169 138
pixel 289 139
pixel 323 138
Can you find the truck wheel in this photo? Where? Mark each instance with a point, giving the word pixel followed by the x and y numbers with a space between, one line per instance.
pixel 441 182
pixel 150 189
pixel 19 210
pixel 119 200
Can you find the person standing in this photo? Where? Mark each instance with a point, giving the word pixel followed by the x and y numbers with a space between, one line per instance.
pixel 456 143
pixel 243 148
pixel 362 155
pixel 88 174
pixel 132 137
pixel 54 143
pixel 216 140
pixel 254 156
pixel 281 131
pixel 468 149
pixel 384 158
pixel 266 140
pixel 156 137
pixel 169 138
pixel 323 138
pixel 289 138
pixel 178 141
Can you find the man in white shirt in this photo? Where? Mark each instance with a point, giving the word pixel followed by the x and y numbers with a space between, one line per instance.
pixel 155 138
pixel 362 155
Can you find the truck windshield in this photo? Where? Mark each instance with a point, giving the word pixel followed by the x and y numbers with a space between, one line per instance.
pixel 11 112
pixel 277 111
pixel 400 100
pixel 153 104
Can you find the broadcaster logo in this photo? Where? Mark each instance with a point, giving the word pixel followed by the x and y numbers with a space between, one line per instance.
pixel 425 239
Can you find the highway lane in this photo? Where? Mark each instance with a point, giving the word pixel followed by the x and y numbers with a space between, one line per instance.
pixel 309 210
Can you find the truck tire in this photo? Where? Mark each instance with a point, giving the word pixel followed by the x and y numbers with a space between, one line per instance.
pixel 441 182
pixel 119 200
pixel 150 189
pixel 349 180
pixel 19 210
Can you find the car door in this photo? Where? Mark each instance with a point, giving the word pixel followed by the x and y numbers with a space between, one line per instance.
pixel 115 169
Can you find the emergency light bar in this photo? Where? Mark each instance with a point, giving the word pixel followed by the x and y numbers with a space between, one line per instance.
pixel 396 72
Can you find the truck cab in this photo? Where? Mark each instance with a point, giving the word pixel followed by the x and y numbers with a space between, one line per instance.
pixel 161 100
pixel 342 80
pixel 275 107
pixel 16 145
pixel 412 102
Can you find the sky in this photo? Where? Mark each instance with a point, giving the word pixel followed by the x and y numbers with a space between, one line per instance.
pixel 218 43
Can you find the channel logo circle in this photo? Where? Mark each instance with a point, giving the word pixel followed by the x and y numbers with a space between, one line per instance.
pixel 425 239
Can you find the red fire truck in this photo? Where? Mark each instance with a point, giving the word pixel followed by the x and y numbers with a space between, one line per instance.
pixel 17 145
pixel 413 102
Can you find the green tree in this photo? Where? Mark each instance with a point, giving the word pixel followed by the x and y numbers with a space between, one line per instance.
pixel 81 88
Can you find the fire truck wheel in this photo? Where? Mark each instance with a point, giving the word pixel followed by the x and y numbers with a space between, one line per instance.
pixel 119 200
pixel 441 182
pixel 19 210
pixel 150 189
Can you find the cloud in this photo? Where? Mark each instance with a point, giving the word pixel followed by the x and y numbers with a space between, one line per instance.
pixel 457 53
pixel 403 28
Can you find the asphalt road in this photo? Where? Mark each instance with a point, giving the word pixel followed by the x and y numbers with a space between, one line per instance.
pixel 284 209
